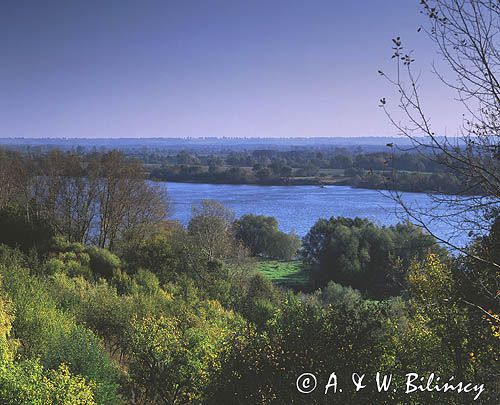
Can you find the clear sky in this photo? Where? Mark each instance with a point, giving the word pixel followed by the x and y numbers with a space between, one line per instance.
pixel 120 68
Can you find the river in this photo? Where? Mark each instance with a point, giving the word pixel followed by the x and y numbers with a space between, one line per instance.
pixel 297 208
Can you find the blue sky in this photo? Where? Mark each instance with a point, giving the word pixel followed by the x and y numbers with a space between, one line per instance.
pixel 206 68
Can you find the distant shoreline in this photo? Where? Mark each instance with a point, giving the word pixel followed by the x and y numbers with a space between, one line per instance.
pixel 294 182
pixel 298 183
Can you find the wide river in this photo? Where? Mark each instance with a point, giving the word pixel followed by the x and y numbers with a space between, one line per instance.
pixel 297 208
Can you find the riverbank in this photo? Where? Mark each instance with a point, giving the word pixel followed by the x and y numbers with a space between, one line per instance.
pixel 296 181
pixel 370 182
pixel 377 171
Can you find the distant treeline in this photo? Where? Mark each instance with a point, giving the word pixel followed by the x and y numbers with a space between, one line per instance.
pixel 201 144
pixel 440 183
pixel 312 160
pixel 414 172
pixel 382 170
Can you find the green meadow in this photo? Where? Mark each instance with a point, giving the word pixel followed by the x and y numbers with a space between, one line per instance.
pixel 285 273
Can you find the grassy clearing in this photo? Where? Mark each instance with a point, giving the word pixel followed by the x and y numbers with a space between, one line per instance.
pixel 285 273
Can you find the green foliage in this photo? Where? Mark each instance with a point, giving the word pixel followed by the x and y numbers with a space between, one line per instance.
pixel 255 231
pixel 82 351
pixel 442 183
pixel 262 236
pixel 158 255
pixel 61 244
pixel 358 253
pixel 178 320
pixel 442 332
pixel 70 263
pixel 76 259
pixel 28 383
pixel 52 334
pixel 6 344
pixel 174 359
pixel 483 275
pixel 102 262
pixel 303 336
pixel 258 299
pixel 283 246
pixel 336 294
pixel 11 257
pixel 147 282
pixel 379 170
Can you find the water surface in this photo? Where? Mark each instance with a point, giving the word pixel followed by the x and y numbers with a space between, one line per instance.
pixel 297 208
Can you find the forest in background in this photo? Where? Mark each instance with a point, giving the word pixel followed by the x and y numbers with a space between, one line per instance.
pixel 358 162
pixel 405 171
pixel 105 300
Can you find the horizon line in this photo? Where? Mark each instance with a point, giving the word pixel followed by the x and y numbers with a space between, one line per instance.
pixel 214 137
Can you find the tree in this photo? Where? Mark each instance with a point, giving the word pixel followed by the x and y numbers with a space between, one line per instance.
pixel 258 299
pixel 261 235
pixel 173 360
pixel 128 206
pixel 158 254
pixel 94 198
pixel 255 231
pixel 302 336
pixel 211 230
pixel 466 33
pixel 443 333
pixel 482 277
pixel 100 198
pixel 283 246
pixel 263 174
pixel 357 253
pixel 48 332
pixel 15 180
pixel 64 192
pixel 27 381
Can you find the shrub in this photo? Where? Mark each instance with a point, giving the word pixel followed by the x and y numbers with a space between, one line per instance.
pixel 102 262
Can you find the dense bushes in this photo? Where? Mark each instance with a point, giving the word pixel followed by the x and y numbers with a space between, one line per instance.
pixel 357 253
pixel 47 331
pixel 76 259
pixel 230 338
pixel 26 381
pixel 174 359
pixel 179 316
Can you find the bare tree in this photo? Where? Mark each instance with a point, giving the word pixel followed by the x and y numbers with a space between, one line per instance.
pixel 15 179
pixel 64 192
pixel 129 207
pixel 100 198
pixel 211 228
pixel 467 34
